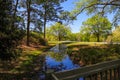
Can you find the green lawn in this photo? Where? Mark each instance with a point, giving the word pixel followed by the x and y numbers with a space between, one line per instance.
pixel 85 43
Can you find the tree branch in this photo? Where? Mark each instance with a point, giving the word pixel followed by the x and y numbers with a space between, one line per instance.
pixel 112 3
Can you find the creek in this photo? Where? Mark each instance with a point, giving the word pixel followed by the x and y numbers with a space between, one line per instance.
pixel 57 59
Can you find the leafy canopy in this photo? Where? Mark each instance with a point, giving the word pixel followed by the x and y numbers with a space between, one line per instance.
pixel 97 26
pixel 116 35
pixel 98 6
pixel 59 31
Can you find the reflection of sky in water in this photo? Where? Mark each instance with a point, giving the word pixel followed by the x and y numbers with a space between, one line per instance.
pixel 65 64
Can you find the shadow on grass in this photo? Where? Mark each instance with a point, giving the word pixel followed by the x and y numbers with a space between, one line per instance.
pixel 87 55
pixel 19 76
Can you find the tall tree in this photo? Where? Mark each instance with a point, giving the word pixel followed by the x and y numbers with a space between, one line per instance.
pixel 50 11
pixel 15 7
pixel 85 33
pixel 47 9
pixel 115 35
pixel 9 33
pixel 28 3
pixel 59 31
pixel 98 26
pixel 27 6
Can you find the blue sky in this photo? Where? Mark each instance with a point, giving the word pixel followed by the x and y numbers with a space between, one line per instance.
pixel 75 26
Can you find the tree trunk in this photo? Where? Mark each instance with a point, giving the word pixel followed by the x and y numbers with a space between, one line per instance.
pixel 59 37
pixel 98 38
pixel 98 33
pixel 14 14
pixel 15 10
pixel 28 21
pixel 45 8
pixel 45 25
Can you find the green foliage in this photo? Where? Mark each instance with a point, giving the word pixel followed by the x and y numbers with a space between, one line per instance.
pixel 39 39
pixel 10 35
pixel 73 36
pixel 116 35
pixel 85 33
pixel 50 9
pixel 36 38
pixel 39 12
pixel 58 32
pixel 98 6
pixel 97 26
pixel 57 56
pixel 93 54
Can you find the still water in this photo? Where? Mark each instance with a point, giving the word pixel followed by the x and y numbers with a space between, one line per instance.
pixel 58 60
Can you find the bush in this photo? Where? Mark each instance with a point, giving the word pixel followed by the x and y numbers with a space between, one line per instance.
pixel 36 38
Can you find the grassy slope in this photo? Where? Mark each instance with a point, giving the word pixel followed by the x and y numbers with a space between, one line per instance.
pixel 31 59
pixel 93 51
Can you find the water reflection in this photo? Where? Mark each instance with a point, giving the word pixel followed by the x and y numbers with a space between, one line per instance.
pixel 59 48
pixel 56 56
pixel 58 60
pixel 64 64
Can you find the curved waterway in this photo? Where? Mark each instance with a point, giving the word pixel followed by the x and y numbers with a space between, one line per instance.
pixel 57 59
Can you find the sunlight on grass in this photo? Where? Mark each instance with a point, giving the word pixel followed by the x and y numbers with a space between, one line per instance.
pixel 34 52
pixel 53 43
pixel 85 43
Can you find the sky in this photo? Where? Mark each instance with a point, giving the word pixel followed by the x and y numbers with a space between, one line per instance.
pixel 75 26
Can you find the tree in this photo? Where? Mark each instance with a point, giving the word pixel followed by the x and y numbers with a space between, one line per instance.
pixel 98 26
pixel 85 33
pixel 99 6
pixel 39 12
pixel 115 35
pixel 15 8
pixel 49 11
pixel 10 34
pixel 59 31
pixel 27 5
pixel 73 36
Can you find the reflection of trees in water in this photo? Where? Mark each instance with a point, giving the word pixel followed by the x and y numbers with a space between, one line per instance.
pixel 58 52
pixel 60 48
pixel 57 56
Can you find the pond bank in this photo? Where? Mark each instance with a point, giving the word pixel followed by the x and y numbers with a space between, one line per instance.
pixel 28 63
pixel 90 53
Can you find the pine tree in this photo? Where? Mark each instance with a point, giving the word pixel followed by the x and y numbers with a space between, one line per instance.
pixel 10 34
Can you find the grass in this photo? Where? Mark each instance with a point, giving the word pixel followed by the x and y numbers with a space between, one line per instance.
pixel 85 43
pixel 30 61
pixel 93 52
pixel 32 58
pixel 53 43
